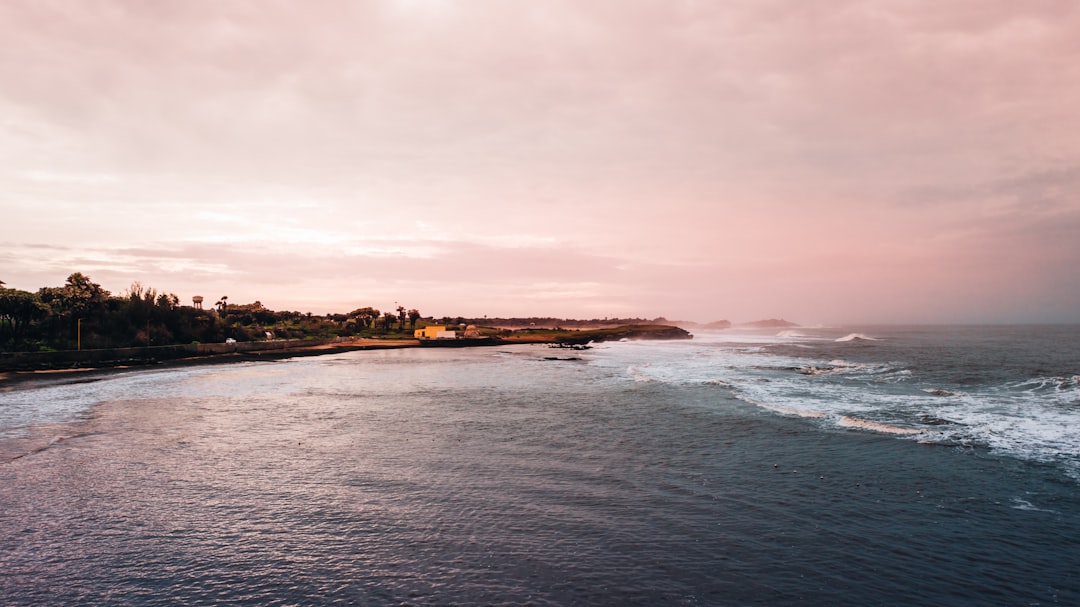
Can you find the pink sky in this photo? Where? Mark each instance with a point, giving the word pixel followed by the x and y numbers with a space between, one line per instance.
pixel 828 162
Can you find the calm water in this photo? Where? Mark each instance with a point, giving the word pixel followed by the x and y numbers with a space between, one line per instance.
pixel 904 466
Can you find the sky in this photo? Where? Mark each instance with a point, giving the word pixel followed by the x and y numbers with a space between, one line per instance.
pixel 828 162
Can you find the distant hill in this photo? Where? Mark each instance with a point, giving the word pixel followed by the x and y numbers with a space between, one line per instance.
pixel 772 323
pixel 689 324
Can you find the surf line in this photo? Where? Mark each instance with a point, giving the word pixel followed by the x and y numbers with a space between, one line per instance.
pixel 783 410
pixel 856 337
pixel 56 439
pixel 864 424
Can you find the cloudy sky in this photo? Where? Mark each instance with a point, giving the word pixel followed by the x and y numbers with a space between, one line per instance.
pixel 833 161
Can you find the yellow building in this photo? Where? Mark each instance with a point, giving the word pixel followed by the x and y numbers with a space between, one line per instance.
pixel 429 332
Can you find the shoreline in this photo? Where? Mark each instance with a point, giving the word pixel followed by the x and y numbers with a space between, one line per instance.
pixel 96 363
pixel 74 374
pixel 10 379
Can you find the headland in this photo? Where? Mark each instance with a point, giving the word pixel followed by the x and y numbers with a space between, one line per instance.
pixel 17 367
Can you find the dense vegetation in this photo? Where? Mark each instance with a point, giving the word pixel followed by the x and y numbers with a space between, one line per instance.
pixel 82 314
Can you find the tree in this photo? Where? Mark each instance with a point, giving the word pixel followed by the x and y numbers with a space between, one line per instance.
pixel 223 305
pixel 365 315
pixel 414 315
pixel 79 298
pixel 401 315
pixel 82 296
pixel 168 301
pixel 17 310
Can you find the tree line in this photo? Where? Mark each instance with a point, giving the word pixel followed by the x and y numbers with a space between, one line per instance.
pixel 81 314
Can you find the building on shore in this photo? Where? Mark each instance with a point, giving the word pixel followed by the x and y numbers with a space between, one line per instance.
pixel 434 332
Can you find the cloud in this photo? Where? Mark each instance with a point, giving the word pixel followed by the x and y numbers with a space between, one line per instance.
pixel 76 178
pixel 836 157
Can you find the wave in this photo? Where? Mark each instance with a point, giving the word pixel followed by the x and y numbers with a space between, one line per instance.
pixel 907 396
pixel 783 410
pixel 939 392
pixel 638 376
pixel 1048 384
pixel 790 333
pixel 865 424
pixel 856 337
pixel 1022 504
pixel 882 373
pixel 52 443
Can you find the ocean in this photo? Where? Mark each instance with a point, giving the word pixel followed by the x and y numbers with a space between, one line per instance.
pixel 813 466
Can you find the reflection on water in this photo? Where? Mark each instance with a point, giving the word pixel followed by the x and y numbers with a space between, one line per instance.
pixel 487 477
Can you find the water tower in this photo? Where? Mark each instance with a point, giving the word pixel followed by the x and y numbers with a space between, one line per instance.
pixel 197 302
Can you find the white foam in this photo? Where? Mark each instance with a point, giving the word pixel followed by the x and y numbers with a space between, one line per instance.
pixel 939 392
pixel 638 376
pixel 67 401
pixel 865 424
pixel 1022 504
pixel 856 337
pixel 783 410
pixel 834 366
pixel 1034 419
pixel 1048 384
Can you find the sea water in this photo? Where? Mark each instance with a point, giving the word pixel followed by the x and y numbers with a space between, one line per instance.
pixel 875 465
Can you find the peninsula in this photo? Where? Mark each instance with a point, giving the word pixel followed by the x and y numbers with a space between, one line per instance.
pixel 80 325
pixel 28 365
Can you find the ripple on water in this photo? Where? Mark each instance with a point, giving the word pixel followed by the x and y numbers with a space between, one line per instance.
pixel 299 484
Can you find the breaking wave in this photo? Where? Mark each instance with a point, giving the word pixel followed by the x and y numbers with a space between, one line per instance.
pixel 856 337
pixel 865 424
pixel 1022 504
pixel 783 410
pixel 941 390
pixel 639 376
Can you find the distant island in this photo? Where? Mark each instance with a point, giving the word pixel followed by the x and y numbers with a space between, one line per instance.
pixel 772 323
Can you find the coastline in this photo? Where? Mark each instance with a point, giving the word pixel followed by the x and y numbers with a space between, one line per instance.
pixel 10 379
pixel 68 366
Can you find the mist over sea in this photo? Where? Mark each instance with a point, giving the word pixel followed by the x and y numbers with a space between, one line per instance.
pixel 854 466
